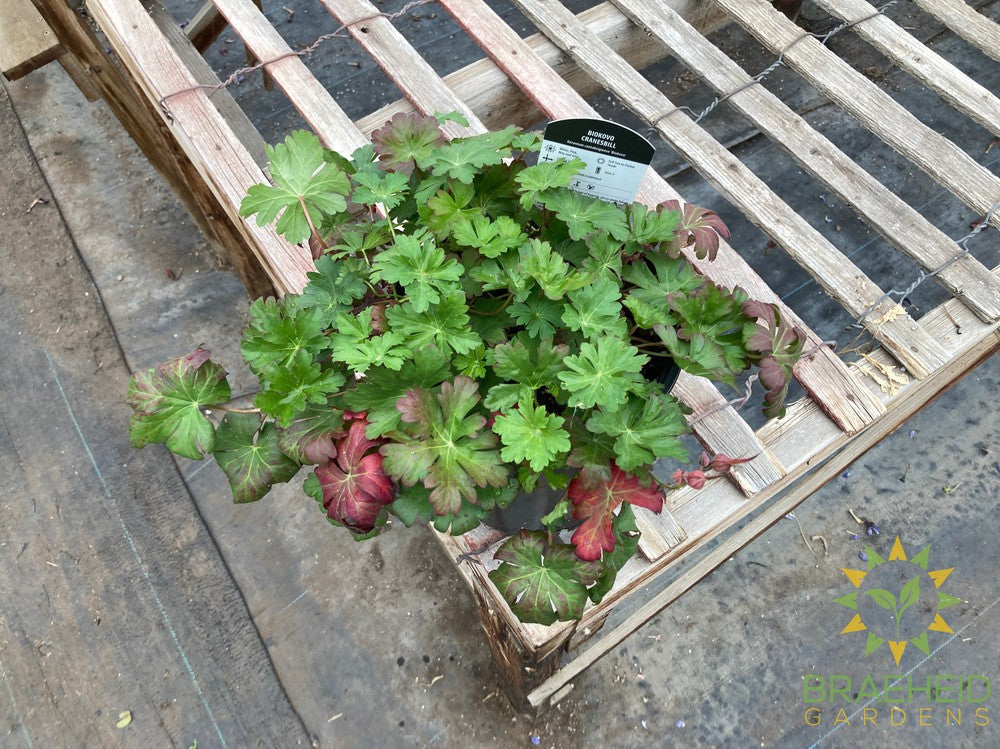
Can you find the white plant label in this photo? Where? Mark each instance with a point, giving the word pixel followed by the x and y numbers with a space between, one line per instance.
pixel 616 157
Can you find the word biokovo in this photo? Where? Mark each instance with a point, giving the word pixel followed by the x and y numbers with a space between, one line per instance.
pixel 899 602
pixel 941 699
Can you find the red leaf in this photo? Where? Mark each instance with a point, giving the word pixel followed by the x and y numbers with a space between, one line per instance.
pixel 355 488
pixel 594 502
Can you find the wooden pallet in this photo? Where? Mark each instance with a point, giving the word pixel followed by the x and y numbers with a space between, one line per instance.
pixel 211 155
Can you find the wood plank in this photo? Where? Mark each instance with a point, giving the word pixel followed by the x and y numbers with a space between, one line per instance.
pixel 144 121
pixel 26 41
pixel 918 60
pixel 967 23
pixel 724 431
pixel 823 375
pixel 205 27
pixel 945 162
pixel 411 73
pixel 80 76
pixel 330 123
pixel 892 217
pixel 203 73
pixel 837 275
pixel 224 163
pixel 498 102
pixel 660 532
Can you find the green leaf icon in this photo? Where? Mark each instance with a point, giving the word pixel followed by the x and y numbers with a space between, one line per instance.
pixel 883 598
pixel 909 595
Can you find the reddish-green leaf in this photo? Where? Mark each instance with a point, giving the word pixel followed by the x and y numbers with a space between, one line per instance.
pixel 353 487
pixel 406 139
pixel 699 227
pixel 167 402
pixel 779 346
pixel 249 455
pixel 594 501
pixel 310 437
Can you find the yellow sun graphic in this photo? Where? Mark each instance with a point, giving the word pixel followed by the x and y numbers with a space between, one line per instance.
pixel 899 603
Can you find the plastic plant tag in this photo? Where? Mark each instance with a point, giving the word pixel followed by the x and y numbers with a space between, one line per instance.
pixel 616 157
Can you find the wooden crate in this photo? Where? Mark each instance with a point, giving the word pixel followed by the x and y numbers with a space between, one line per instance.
pixel 168 98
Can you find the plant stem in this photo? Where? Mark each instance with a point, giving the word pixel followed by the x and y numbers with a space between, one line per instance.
pixel 234 409
pixel 309 221
pixel 507 300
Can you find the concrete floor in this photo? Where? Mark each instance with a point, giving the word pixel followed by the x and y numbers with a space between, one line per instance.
pixel 242 625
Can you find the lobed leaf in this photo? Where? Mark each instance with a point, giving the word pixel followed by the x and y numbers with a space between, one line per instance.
pixel 644 430
pixel 603 373
pixel 167 400
pixel 248 453
pixel 531 434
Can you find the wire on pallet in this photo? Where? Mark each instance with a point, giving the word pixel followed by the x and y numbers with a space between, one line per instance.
pixel 337 33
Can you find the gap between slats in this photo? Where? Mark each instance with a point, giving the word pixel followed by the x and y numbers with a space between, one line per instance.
pixel 892 217
pixel 941 159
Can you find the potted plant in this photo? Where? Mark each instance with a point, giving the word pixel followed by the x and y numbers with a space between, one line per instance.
pixel 472 326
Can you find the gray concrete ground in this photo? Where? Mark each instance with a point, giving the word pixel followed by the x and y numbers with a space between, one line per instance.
pixel 261 625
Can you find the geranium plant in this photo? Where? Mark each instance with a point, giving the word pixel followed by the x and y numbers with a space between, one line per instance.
pixel 471 326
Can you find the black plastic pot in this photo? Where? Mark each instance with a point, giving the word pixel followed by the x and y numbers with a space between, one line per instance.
pixel 527 509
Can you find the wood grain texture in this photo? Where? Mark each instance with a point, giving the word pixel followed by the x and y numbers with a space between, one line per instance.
pixel 215 151
pixel 498 102
pixel 203 73
pixel 144 121
pixel 945 162
pixel 923 63
pixel 26 42
pixel 413 75
pixel 885 212
pixel 970 25
pixel 308 95
pixel 205 27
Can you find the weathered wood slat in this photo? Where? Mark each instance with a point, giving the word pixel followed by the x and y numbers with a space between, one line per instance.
pixel 825 377
pixel 202 71
pixel 947 164
pixel 210 143
pixel 841 278
pixel 921 62
pixel 724 431
pixel 330 123
pixel 205 27
pixel 885 212
pixel 26 42
pixel 415 78
pixel 498 102
pixel 974 27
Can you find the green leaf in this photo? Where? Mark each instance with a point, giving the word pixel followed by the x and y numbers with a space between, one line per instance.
pixel 309 438
pixel 644 429
pixel 302 180
pixel 278 332
pixel 445 325
pixel 655 278
pixel 583 215
pixel 387 188
pixel 603 373
pixel 447 208
pixel 463 158
pixel 453 116
pixel 536 180
pixel 539 316
pixel 441 443
pixel 909 595
pixel 652 227
pixel 248 453
pixel 532 435
pixel 288 390
pixel 167 402
pixel 884 598
pixel 386 350
pixel 421 268
pixel 412 505
pixel 549 270
pixel 595 310
pixel 378 392
pixel 530 363
pixel 491 238
pixel 334 286
pixel 471 364
pixel 543 583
